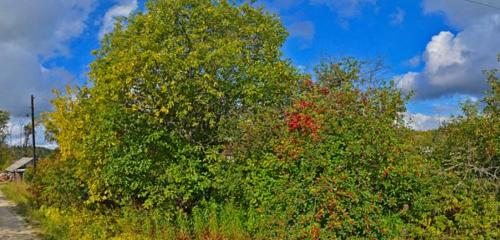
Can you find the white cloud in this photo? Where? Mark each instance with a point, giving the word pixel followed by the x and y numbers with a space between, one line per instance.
pixel 454 62
pixel 302 68
pixel 45 26
pixel 414 61
pixel 122 9
pixel 444 50
pixel 423 122
pixel 22 75
pixel 461 13
pixel 31 33
pixel 398 17
pixel 406 82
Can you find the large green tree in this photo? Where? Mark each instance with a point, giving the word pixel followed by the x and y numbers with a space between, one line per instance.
pixel 163 87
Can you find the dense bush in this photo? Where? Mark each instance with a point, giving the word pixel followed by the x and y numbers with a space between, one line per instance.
pixel 333 164
pixel 467 149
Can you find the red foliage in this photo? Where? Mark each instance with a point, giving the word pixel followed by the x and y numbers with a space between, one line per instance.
pixel 309 83
pixel 325 91
pixel 302 122
pixel 315 233
pixel 305 104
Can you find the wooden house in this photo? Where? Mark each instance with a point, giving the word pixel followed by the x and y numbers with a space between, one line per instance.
pixel 16 170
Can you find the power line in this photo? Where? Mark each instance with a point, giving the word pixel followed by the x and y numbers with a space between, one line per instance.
pixel 483 4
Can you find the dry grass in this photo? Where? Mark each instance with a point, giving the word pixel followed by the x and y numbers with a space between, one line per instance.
pixel 17 192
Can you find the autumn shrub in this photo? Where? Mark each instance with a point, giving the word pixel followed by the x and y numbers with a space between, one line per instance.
pixel 333 164
pixel 469 145
pixel 466 154
pixel 55 183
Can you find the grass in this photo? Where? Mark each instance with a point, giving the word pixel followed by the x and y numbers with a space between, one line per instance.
pixel 210 223
pixel 17 192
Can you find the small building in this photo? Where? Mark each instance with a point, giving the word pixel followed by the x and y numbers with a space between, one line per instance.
pixel 17 169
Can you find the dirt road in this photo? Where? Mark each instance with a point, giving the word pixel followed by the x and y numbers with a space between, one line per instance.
pixel 12 226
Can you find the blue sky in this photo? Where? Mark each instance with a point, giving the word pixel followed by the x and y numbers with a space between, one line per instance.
pixel 436 48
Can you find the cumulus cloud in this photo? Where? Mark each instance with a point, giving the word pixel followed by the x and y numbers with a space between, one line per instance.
pixel 21 74
pixel 123 9
pixel 423 122
pixel 398 17
pixel 454 62
pixel 31 33
pixel 45 26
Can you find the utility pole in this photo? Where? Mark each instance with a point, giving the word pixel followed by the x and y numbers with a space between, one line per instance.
pixel 33 130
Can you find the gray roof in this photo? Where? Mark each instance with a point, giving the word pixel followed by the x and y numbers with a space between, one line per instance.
pixel 19 164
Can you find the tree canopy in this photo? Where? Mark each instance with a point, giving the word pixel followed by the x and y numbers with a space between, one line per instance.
pixel 164 85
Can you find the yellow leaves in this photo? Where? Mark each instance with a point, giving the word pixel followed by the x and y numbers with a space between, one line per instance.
pixel 135 107
pixel 164 110
pixel 164 89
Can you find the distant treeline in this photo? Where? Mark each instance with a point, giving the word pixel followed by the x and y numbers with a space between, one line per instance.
pixel 9 154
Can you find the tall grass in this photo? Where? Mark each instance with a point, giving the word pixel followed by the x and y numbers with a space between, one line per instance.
pixel 17 192
pixel 210 222
pixel 217 223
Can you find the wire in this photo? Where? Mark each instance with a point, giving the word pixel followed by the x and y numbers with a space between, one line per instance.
pixel 483 4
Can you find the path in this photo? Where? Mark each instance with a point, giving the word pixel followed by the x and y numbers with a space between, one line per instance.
pixel 12 226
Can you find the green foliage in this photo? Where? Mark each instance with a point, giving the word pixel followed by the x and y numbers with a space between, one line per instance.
pixel 492 98
pixel 10 154
pixel 17 152
pixel 333 165
pixel 466 149
pixel 211 223
pixel 470 144
pixel 164 84
pixel 55 183
pixel 460 209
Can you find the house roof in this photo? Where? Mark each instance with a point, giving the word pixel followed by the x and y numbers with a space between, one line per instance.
pixel 18 164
